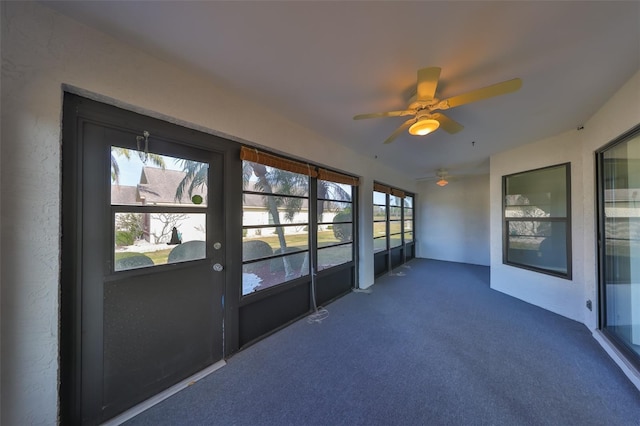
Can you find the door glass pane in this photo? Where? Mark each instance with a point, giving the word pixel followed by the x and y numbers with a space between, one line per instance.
pixel 148 239
pixel 621 184
pixel 151 179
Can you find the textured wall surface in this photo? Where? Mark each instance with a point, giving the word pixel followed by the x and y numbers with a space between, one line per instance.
pixel 43 53
pixel 453 221
pixel 565 297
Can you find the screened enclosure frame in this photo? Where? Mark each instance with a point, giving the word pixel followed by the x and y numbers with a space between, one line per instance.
pixel 312 225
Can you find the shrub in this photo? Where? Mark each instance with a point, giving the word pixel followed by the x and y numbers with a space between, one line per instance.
pixel 255 249
pixel 343 231
pixel 125 238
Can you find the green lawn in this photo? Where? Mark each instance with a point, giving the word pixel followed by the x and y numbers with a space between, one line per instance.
pixel 293 240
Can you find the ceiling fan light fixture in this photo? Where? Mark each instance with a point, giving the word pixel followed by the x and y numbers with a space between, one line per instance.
pixel 424 126
pixel 442 182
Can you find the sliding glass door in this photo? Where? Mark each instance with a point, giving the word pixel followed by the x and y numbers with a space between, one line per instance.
pixel 619 205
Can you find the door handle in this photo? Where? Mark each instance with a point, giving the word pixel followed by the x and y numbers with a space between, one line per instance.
pixel 218 267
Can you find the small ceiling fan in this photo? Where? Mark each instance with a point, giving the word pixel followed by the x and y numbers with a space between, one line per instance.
pixel 424 105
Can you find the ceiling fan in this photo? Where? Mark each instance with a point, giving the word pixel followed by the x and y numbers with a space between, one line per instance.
pixel 424 105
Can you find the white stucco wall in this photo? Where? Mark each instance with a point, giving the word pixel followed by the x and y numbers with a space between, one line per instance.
pixel 565 297
pixel 453 221
pixel 42 52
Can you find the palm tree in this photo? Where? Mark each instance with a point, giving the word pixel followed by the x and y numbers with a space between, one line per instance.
pixel 269 179
pixel 156 159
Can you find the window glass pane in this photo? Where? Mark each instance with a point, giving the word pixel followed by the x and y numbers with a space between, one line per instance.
pixel 257 209
pixel 161 180
pixel 408 201
pixel 333 211
pixel 379 213
pixel 255 240
pixel 395 227
pixel 334 191
pixel 379 244
pixel 408 225
pixel 333 256
pixel 621 195
pixel 379 229
pixel 259 178
pixel 408 237
pixel 395 201
pixel 538 244
pixel 267 273
pixel 395 213
pixel 147 239
pixel 339 233
pixel 395 240
pixel 379 198
pixel 538 193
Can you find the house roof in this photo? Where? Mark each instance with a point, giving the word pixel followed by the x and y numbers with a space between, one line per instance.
pixel 157 186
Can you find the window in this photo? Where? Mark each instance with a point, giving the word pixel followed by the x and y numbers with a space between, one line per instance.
pixel 392 218
pixel 294 216
pixel 275 226
pixel 537 225
pixel 158 206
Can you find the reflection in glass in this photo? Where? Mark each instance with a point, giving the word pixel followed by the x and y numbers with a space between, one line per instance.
pixel 161 181
pixel 621 198
pixel 538 244
pixel 333 256
pixel 147 239
pixel 537 193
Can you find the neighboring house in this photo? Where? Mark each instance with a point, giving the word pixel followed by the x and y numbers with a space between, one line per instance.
pixel 158 187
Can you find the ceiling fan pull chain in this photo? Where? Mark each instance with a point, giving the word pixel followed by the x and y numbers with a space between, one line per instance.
pixel 143 156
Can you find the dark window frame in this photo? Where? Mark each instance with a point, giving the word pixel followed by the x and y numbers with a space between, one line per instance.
pixel 631 356
pixel 566 220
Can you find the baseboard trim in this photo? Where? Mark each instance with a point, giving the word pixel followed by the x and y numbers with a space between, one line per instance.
pixel 156 399
pixel 627 368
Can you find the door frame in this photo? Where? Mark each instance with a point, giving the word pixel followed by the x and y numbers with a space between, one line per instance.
pixel 78 110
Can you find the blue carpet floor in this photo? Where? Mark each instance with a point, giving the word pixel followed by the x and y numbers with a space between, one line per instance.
pixel 435 346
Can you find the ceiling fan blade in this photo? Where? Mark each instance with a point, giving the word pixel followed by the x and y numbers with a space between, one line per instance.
pixel 427 83
pixel 400 129
pixel 480 94
pixel 384 114
pixel 447 124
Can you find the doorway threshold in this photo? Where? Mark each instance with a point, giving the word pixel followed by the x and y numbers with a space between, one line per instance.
pixel 156 399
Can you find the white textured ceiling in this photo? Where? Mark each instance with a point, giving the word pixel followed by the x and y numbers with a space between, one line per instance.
pixel 320 63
